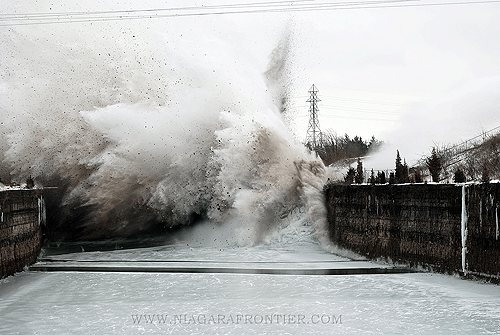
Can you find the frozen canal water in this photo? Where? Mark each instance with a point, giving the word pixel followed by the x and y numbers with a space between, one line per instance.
pixel 150 299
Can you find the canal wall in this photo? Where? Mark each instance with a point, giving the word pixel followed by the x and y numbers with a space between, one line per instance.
pixel 445 227
pixel 22 213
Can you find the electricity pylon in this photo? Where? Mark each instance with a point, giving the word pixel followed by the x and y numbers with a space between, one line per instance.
pixel 314 136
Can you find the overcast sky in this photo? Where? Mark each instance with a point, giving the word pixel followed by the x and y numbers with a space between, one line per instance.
pixel 413 76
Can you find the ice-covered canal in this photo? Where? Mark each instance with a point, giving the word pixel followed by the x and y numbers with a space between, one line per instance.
pixel 274 288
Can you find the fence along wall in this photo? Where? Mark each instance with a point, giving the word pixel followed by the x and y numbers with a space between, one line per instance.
pixel 450 228
pixel 22 213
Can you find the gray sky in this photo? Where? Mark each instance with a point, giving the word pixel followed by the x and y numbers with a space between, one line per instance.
pixel 413 76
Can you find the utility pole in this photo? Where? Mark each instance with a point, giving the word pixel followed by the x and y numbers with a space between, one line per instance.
pixel 314 136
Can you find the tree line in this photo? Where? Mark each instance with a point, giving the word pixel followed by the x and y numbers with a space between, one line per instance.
pixel 400 175
pixel 434 166
pixel 334 148
pixel 480 162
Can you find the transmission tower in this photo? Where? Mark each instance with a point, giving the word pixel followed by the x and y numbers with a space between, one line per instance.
pixel 314 136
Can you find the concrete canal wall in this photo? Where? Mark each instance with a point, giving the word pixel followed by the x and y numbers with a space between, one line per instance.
pixel 22 212
pixel 449 228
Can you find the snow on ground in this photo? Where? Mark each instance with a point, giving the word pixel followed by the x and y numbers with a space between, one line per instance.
pixel 208 303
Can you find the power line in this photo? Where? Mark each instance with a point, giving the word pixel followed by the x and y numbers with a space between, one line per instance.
pixel 353 118
pixel 359 118
pixel 242 8
pixel 358 110
pixel 382 92
pixel 472 139
pixel 375 102
pixel 462 150
pixel 129 11
pixel 366 101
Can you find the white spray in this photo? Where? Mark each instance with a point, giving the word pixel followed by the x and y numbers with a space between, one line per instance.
pixel 161 132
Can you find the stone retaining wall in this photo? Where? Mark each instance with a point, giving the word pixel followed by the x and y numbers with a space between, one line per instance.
pixel 21 214
pixel 450 228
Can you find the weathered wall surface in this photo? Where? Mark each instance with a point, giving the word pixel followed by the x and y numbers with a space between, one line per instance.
pixel 21 212
pixel 419 224
pixel 482 230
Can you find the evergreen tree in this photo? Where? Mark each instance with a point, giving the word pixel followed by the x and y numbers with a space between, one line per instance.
pixel 405 175
pixel 399 169
pixel 418 175
pixel 381 177
pixel 434 164
pixel 485 175
pixel 392 178
pixel 402 173
pixel 374 144
pixel 349 178
pixel 372 178
pixel 359 173
pixel 30 183
pixel 459 176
